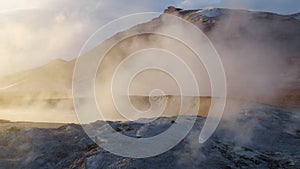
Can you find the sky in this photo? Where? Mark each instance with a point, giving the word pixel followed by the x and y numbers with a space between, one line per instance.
pixel 34 32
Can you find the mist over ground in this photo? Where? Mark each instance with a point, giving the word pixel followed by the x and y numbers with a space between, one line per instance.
pixel 259 51
pixel 260 125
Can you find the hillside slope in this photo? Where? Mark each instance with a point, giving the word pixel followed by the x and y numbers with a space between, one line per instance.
pixel 260 53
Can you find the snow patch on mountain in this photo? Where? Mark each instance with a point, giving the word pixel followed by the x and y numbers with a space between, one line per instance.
pixel 211 13
pixel 296 16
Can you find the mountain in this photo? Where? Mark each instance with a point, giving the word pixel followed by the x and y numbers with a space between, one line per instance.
pixel 259 50
pixel 56 76
pixel 43 94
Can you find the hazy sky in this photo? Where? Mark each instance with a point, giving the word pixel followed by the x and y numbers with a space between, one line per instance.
pixel 33 32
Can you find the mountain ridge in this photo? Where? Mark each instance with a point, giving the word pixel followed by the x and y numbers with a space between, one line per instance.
pixel 233 32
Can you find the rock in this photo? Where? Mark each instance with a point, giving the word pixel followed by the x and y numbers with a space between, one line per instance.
pixel 269 146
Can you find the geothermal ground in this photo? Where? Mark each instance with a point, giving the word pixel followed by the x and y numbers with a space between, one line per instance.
pixel 259 137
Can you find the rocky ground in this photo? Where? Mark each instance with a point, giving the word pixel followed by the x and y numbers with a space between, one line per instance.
pixel 260 137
